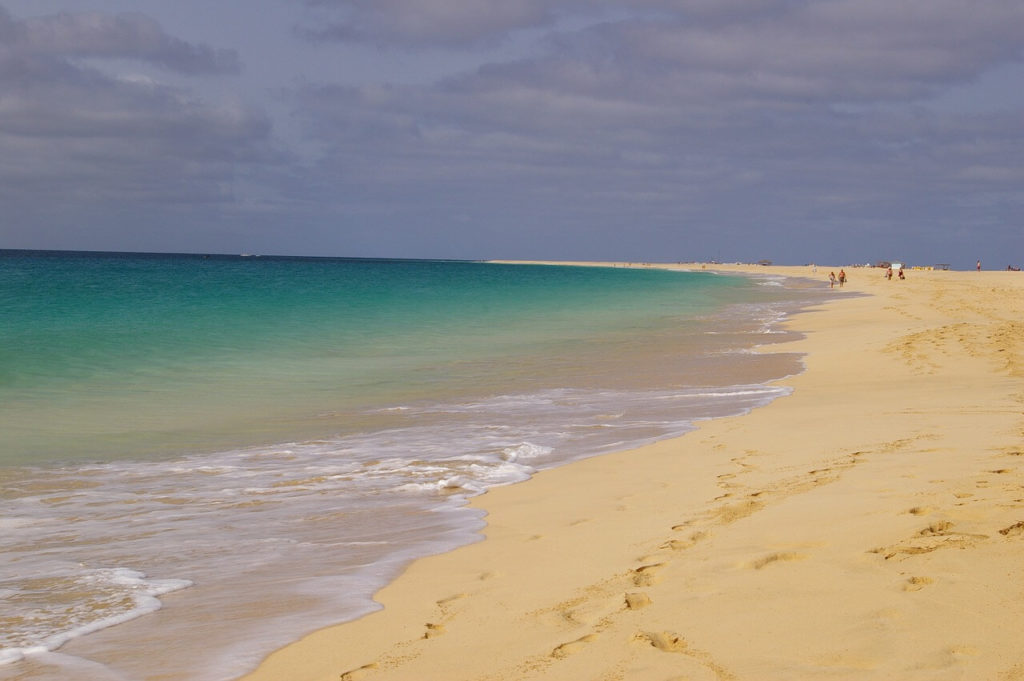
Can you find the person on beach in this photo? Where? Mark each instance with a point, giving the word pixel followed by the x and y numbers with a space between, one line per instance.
pixel 888 273
pixel 842 278
pixel 900 275
pixel 831 279
pixel 979 265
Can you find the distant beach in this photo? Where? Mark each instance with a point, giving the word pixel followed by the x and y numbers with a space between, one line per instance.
pixel 868 525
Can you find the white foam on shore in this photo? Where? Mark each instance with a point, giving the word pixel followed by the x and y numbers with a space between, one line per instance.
pixel 274 505
pixel 118 594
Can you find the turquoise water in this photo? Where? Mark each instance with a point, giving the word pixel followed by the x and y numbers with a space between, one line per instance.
pixel 132 355
pixel 220 453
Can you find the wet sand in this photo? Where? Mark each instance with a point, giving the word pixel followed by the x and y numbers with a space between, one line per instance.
pixel 868 526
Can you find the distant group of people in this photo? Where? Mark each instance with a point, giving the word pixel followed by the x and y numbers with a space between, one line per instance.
pixel 841 279
pixel 888 273
pixel 832 279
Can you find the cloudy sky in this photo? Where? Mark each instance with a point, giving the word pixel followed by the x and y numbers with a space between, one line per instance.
pixel 835 131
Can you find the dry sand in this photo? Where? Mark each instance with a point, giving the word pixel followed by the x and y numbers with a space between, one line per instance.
pixel 868 526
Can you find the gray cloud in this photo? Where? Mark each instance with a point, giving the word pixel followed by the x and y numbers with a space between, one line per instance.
pixel 74 135
pixel 787 129
pixel 843 50
pixel 413 23
pixel 799 59
pixel 797 117
pixel 95 35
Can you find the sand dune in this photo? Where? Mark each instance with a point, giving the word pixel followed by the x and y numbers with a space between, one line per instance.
pixel 868 526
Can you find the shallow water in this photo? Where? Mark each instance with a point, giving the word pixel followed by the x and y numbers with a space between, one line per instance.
pixel 225 453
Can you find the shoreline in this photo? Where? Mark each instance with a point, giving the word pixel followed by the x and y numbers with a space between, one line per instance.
pixel 541 406
pixel 869 525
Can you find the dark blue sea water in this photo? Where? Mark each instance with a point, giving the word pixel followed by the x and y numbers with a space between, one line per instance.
pixel 224 452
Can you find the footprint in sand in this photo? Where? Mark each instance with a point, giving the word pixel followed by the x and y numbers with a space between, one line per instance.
pixel 637 600
pixel 939 528
pixel 358 673
pixel 938 535
pixel 670 642
pixel 446 604
pixel 645 574
pixel 730 513
pixel 571 647
pixel 589 611
pixel 665 641
pixel 682 544
pixel 917 583
pixel 782 556
pixel 433 630
pixel 1013 530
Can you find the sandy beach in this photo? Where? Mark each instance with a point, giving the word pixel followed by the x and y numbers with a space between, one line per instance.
pixel 870 525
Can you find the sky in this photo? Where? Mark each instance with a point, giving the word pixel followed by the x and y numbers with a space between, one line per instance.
pixel 796 131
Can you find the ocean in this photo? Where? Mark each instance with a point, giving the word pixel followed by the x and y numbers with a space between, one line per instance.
pixel 204 457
